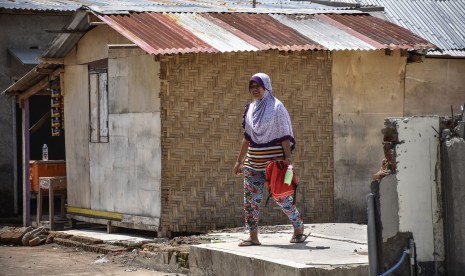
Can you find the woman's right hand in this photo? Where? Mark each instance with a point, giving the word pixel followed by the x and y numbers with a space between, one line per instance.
pixel 238 168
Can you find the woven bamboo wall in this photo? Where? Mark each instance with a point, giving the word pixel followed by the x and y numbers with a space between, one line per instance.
pixel 202 99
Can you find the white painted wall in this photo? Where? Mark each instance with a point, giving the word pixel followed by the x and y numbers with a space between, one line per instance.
pixel 419 185
pixel 76 102
pixel 125 173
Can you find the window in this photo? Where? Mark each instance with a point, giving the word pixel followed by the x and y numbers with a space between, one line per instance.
pixel 98 80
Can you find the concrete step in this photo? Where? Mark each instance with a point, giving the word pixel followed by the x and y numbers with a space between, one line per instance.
pixel 331 249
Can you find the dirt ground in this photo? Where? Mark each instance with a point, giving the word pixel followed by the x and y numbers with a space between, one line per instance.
pixel 53 259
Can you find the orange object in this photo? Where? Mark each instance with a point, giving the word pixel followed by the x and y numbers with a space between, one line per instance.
pixel 274 179
pixel 39 168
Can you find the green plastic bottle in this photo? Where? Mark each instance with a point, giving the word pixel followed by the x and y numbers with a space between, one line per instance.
pixel 288 175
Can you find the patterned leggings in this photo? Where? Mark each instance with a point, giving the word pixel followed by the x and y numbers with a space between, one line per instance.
pixel 254 183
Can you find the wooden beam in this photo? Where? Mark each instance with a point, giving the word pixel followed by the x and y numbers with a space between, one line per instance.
pixel 44 71
pixel 41 122
pixel 93 20
pixel 53 60
pixel 66 31
pixel 26 157
pixel 44 83
pixel 122 46
pixel 62 83
pixel 96 23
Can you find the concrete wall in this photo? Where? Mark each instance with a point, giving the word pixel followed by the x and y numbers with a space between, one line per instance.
pixel 17 31
pixel 433 86
pixel 364 93
pixel 419 186
pixel 411 200
pixel 390 207
pixel 453 163
pixel 122 175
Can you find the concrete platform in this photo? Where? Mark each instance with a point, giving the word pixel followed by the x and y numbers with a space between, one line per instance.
pixel 331 249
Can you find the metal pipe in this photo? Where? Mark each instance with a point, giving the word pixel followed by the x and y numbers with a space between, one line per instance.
pixel 411 245
pixel 254 3
pixel 371 232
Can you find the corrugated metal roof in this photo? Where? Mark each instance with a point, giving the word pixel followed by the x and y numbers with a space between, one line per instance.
pixel 29 79
pixel 64 42
pixel 441 22
pixel 72 5
pixel 381 31
pixel 216 36
pixel 157 33
pixel 165 33
pixel 450 53
pixel 271 34
pixel 323 33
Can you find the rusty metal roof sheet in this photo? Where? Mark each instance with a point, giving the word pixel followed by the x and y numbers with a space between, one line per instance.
pixel 379 32
pixel 217 37
pixel 171 33
pixel 270 34
pixel 157 33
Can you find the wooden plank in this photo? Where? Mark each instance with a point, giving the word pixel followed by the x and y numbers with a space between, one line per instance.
pixel 118 85
pixel 94 20
pixel 62 83
pixel 127 177
pixel 144 87
pixel 103 106
pixel 57 182
pixel 26 157
pixel 15 158
pixel 45 71
pixel 78 136
pixel 40 123
pixel 141 220
pixel 94 107
pixel 112 223
pixel 52 60
pixel 94 213
pixel 44 83
pixel 122 46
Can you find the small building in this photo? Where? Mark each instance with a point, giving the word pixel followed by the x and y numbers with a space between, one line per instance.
pixel 24 34
pixel 433 86
pixel 153 104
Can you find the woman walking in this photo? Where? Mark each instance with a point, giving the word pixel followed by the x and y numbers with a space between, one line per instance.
pixel 268 136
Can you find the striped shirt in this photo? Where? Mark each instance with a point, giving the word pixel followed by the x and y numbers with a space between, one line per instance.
pixel 258 158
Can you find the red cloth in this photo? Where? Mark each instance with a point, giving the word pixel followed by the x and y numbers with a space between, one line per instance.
pixel 274 179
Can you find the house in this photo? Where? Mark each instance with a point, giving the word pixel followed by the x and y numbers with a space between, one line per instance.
pixel 431 87
pixel 154 96
pixel 25 33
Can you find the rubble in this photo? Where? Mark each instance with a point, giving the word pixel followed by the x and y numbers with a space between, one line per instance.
pixel 13 235
pixel 34 236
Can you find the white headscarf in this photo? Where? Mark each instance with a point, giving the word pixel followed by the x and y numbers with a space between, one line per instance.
pixel 266 121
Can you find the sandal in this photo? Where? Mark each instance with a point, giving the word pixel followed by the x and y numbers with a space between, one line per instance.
pixel 249 243
pixel 299 238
